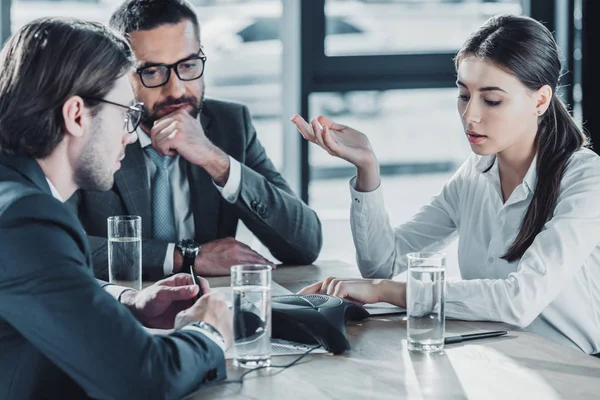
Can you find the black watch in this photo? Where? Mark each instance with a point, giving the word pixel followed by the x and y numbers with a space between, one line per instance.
pixel 189 250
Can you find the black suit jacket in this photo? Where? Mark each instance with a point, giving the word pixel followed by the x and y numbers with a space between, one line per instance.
pixel 266 204
pixel 61 335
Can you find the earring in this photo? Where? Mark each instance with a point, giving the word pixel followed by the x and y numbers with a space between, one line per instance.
pixel 539 112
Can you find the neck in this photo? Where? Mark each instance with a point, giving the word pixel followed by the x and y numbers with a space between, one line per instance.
pixel 514 162
pixel 58 170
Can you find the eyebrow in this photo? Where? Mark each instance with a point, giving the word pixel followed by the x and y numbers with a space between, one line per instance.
pixel 147 64
pixel 483 89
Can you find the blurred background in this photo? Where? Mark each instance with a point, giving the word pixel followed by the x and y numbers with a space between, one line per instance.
pixel 382 66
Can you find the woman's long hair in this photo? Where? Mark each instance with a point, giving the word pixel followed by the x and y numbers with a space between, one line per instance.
pixel 526 49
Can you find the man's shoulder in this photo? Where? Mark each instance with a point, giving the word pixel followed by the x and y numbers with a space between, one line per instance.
pixel 219 108
pixel 13 187
pixel 31 204
pixel 21 199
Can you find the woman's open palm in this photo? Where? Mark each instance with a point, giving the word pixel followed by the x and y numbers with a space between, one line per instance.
pixel 338 140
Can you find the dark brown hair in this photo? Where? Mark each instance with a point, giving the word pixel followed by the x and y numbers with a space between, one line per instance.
pixel 43 64
pixel 526 49
pixel 143 15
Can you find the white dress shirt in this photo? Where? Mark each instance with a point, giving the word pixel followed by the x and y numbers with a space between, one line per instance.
pixel 553 290
pixel 180 190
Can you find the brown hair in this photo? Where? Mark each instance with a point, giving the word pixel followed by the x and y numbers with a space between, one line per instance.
pixel 525 48
pixel 43 64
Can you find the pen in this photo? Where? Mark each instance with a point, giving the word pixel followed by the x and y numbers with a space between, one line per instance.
pixel 472 336
pixel 196 281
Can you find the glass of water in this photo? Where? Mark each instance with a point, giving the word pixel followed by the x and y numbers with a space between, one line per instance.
pixel 251 287
pixel 125 251
pixel 425 301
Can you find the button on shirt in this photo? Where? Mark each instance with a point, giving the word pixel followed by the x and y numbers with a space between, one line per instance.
pixel 553 290
pixel 180 189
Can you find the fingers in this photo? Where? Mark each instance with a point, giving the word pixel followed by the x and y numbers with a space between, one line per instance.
pixel 247 255
pixel 177 293
pixel 304 128
pixel 315 288
pixel 318 132
pixel 180 279
pixel 163 134
pixel 329 143
pixel 328 122
pixel 331 286
pixel 204 285
pixel 210 298
pixel 340 290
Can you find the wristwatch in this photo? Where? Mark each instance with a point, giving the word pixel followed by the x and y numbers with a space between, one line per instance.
pixel 189 250
pixel 209 331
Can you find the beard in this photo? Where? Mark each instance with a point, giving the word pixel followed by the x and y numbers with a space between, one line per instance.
pixel 150 116
pixel 91 172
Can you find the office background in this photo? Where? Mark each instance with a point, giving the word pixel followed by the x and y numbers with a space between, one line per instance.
pixel 382 66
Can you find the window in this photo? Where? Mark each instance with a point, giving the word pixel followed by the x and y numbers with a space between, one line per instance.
pixel 261 30
pixel 243 49
pixel 408 26
pixel 418 138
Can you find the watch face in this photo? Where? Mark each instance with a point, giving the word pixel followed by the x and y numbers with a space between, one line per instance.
pixel 188 246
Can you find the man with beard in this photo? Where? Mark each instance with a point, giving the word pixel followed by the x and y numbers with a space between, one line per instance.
pixel 198 167
pixel 67 113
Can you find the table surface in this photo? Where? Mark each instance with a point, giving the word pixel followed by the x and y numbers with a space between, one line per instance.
pixel 379 366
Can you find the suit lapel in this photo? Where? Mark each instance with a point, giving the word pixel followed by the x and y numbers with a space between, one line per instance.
pixel 205 199
pixel 132 182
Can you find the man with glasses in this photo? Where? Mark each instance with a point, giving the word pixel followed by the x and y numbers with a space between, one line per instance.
pixel 198 168
pixel 63 334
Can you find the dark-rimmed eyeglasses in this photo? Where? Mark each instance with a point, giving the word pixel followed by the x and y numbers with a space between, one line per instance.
pixel 188 69
pixel 133 116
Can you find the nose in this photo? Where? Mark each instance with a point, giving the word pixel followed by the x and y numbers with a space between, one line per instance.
pixel 174 87
pixel 471 113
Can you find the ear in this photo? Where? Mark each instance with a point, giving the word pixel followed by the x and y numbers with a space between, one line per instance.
pixel 543 96
pixel 73 116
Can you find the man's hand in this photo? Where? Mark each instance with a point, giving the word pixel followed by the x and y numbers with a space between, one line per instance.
pixel 156 306
pixel 179 133
pixel 212 309
pixel 217 257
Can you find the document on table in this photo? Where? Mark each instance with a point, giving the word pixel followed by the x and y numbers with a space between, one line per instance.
pixel 280 347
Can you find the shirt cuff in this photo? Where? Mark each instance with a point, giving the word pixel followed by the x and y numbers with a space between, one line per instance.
pixel 168 264
pixel 419 297
pixel 210 335
pixel 231 190
pixel 373 199
pixel 114 290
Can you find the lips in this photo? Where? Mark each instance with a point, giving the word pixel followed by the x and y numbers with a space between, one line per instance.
pixel 172 108
pixel 475 137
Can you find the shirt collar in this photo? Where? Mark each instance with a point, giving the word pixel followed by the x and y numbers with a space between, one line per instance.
pixel 54 191
pixel 530 179
pixel 487 165
pixel 143 137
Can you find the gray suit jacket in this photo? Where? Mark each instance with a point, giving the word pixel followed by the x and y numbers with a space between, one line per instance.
pixel 266 204
pixel 61 335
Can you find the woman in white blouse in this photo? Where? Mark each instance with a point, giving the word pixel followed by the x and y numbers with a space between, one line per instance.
pixel 526 204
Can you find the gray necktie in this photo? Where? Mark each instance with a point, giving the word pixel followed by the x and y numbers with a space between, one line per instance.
pixel 163 218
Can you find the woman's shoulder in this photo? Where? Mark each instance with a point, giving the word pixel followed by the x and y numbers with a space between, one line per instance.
pixel 584 159
pixel 584 165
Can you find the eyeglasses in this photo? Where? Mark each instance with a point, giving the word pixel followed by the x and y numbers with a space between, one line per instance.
pixel 188 69
pixel 133 116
